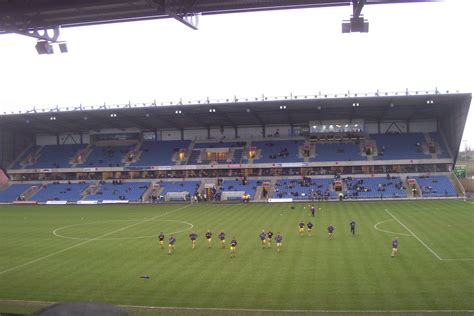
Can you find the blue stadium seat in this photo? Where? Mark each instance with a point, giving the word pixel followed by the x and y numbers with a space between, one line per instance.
pixel 60 192
pixel 131 191
pixel 400 146
pixel 338 152
pixel 160 153
pixel 12 192
pixel 436 186
pixel 278 151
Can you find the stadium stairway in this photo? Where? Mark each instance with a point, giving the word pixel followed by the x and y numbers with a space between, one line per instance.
pixel 429 140
pixel 409 191
pixel 258 193
pixel 3 180
pixel 78 159
pixel 31 191
pixel 35 155
pixel 188 153
pixel 445 140
pixel 136 155
pixel 153 188
pixel 457 184
pixel 91 189
pixel 16 162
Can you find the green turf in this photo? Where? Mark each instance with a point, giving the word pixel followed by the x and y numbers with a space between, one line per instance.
pixel 102 259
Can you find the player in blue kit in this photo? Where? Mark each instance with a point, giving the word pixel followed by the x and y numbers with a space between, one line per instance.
pixel 279 240
pixel 233 248
pixel 193 237
pixel 330 231
pixel 209 238
pixel 263 238
pixel 394 247
pixel 269 238
pixel 222 239
pixel 353 228
pixel 310 227
pixel 171 242
pixel 161 238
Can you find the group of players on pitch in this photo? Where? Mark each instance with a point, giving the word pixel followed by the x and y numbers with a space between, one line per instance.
pixel 193 237
pixel 265 237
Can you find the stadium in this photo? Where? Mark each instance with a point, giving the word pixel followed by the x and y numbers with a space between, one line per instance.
pixel 85 192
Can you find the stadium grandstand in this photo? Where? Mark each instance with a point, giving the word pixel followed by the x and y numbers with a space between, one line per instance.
pixel 157 180
pixel 313 147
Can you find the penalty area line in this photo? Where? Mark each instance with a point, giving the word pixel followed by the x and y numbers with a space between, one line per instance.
pixel 413 234
pixel 89 240
pixel 232 311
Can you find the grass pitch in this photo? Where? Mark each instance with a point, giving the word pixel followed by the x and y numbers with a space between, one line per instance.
pixel 99 253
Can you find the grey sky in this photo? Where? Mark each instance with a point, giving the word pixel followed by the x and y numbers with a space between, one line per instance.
pixel 415 46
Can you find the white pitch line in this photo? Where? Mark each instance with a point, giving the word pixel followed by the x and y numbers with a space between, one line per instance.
pixel 89 240
pixel 413 234
pixel 458 259
pixel 275 311
pixel 55 232
pixel 387 231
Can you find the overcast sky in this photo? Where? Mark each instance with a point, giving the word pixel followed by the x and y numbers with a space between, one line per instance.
pixel 415 46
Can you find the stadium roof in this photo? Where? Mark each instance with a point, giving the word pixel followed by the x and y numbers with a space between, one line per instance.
pixel 30 15
pixel 295 110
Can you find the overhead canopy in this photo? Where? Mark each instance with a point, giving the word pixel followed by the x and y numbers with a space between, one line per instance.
pixel 294 110
pixel 29 15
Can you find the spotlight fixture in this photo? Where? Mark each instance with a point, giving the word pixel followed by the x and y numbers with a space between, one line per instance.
pixel 63 47
pixel 44 47
pixel 355 24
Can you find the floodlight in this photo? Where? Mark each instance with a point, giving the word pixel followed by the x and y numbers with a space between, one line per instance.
pixel 63 47
pixel 44 47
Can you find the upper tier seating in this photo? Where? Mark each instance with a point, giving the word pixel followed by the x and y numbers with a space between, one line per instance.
pixel 277 151
pixel 28 152
pixel 400 146
pixel 337 152
pixel 60 192
pixel 57 156
pixel 13 192
pixel 436 186
pixel 238 152
pixel 442 146
pixel 193 159
pixel 303 190
pixel 374 187
pixel 106 156
pixel 131 191
pixel 160 153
